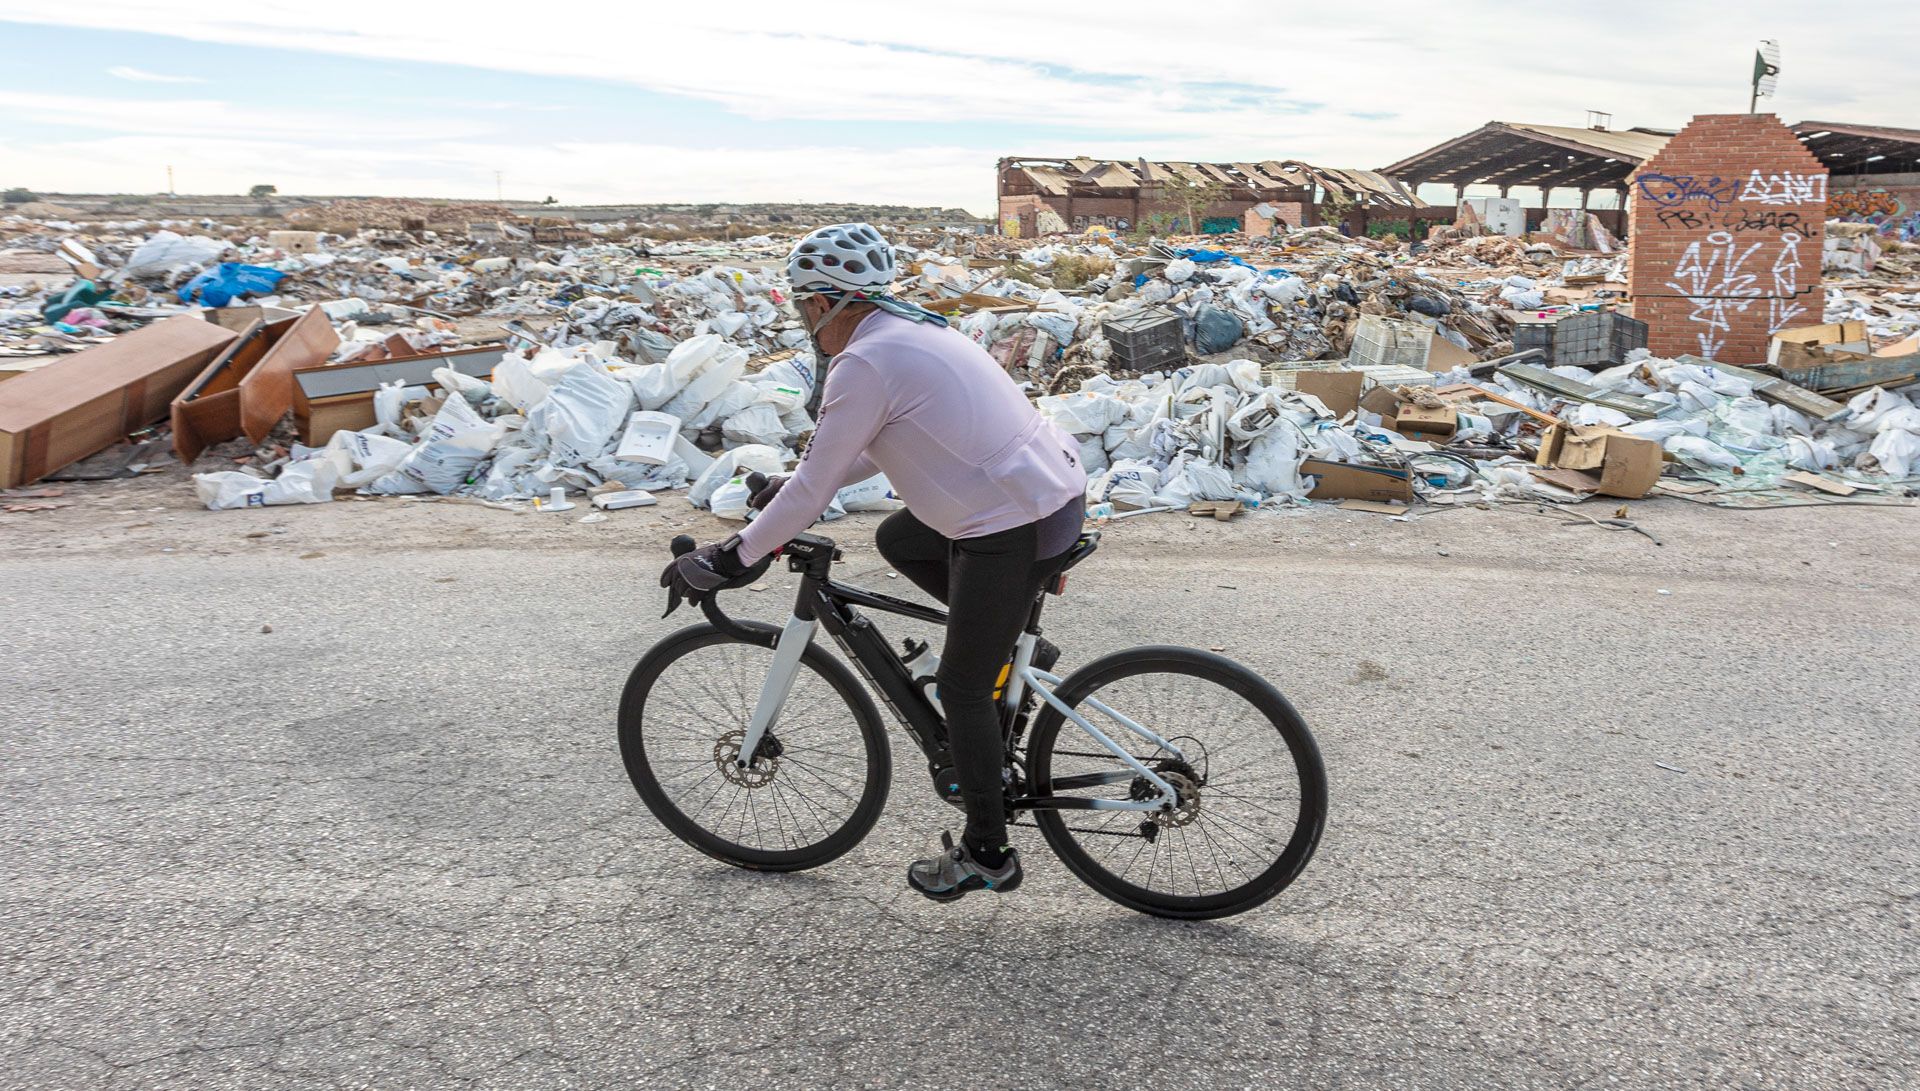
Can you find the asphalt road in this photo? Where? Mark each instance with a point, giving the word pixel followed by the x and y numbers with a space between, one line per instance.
pixel 1584 834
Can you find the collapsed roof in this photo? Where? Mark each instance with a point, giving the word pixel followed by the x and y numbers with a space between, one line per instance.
pixel 1509 153
pixel 1088 177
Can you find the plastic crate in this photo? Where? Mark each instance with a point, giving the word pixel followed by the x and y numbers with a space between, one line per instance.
pixel 1379 340
pixel 1533 335
pixel 1596 337
pixel 1584 339
pixel 1147 341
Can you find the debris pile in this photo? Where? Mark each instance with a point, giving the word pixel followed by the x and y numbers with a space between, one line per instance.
pixel 1228 372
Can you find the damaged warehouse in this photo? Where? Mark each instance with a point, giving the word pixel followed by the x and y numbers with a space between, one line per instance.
pixel 1055 196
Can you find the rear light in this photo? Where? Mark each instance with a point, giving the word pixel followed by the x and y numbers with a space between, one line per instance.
pixel 1059 584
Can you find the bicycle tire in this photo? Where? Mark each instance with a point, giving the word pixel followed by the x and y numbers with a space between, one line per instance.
pixel 1261 696
pixel 640 765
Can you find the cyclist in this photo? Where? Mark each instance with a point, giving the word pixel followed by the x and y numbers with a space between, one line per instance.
pixel 994 494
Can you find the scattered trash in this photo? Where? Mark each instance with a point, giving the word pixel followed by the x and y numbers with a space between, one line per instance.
pixel 1221 375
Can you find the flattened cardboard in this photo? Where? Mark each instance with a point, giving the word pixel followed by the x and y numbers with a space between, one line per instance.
pixel 1338 390
pixel 1444 355
pixel 1373 506
pixel 1358 481
pixel 57 415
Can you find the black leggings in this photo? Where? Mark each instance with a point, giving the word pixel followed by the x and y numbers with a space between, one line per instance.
pixel 988 585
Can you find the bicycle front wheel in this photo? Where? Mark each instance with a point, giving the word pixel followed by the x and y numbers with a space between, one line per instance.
pixel 1252 789
pixel 813 788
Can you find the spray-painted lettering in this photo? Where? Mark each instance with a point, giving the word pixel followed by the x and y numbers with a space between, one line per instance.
pixel 1669 190
pixel 1784 188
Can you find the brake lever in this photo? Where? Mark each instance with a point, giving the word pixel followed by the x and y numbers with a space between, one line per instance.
pixel 681 545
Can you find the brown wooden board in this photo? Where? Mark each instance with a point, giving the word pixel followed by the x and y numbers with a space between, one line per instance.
pixel 249 390
pixel 61 413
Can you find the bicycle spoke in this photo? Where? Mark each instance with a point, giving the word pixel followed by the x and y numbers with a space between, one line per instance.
pixel 1234 837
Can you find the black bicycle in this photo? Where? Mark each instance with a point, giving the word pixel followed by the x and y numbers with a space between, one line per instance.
pixel 754 745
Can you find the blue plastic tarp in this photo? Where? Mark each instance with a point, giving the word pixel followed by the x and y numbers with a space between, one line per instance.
pixel 228 281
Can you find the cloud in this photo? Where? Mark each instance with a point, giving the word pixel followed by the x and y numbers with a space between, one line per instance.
pixel 606 172
pixel 138 75
pixel 1244 80
pixel 214 117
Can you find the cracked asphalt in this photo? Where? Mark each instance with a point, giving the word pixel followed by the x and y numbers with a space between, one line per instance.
pixel 1583 834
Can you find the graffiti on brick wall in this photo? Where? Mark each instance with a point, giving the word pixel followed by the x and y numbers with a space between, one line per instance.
pixel 1112 223
pixel 1674 190
pixel 1048 222
pixel 1723 276
pixel 1784 188
pixel 1886 211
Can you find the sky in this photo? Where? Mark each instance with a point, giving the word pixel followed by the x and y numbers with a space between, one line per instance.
pixel 644 101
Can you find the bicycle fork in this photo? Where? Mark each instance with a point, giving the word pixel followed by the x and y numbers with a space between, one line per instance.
pixel 794 638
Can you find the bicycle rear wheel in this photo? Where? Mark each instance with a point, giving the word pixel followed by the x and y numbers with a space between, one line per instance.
pixel 811 792
pixel 1253 791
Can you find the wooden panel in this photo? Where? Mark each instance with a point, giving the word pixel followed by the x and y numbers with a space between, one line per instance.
pixel 267 392
pixel 88 401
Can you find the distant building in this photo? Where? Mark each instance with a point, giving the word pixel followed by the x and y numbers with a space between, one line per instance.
pixel 1874 171
pixel 1049 196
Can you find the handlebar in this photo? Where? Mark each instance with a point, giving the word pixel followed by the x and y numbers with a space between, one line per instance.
pixel 684 544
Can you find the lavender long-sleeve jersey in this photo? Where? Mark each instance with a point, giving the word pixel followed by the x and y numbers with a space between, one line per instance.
pixel 930 409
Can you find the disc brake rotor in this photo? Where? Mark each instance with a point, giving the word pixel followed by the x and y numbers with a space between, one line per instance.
pixel 726 756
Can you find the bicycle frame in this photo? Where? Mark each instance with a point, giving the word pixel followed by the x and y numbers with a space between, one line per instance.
pixel 823 602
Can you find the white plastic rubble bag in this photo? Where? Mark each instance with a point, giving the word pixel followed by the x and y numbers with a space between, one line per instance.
pixel 1897 451
pixel 165 251
pixel 455 443
pixel 1701 453
pixel 653 384
pixel 1129 484
pixel 581 414
pixel 873 494
pixel 756 424
pixel 1202 480
pixel 514 382
pixel 1866 409
pixel 361 457
pixel 476 391
pixel 737 462
pixel 1083 414
pixel 648 438
pixel 1093 454
pixel 310 481
pixel 388 403
pixel 703 366
pixel 732 399
pixel 1179 270
pixel 1810 454
pixel 731 500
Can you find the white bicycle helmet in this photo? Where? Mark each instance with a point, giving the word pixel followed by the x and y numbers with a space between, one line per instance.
pixel 841 258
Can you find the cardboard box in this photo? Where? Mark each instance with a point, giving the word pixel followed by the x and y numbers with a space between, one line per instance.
pixel 1339 390
pixel 295 242
pixel 59 414
pixel 1794 346
pixel 248 389
pixel 1431 423
pixel 1615 463
pixel 1358 481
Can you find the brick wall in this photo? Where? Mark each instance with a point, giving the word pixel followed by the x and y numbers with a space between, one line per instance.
pixel 1728 221
pixel 1889 201
pixel 1078 213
